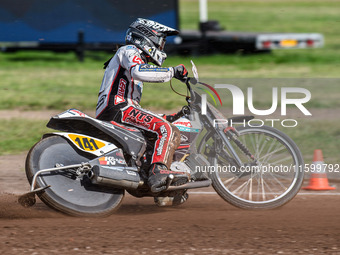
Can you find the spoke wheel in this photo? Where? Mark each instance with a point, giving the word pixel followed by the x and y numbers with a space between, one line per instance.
pixel 272 181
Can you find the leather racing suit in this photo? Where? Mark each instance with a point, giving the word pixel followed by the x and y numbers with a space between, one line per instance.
pixel 120 94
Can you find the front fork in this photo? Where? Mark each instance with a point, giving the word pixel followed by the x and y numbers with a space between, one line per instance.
pixel 223 137
pixel 233 135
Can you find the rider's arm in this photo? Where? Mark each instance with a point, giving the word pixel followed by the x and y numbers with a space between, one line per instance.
pixel 132 61
pixel 150 73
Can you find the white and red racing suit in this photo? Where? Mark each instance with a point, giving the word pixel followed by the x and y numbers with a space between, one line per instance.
pixel 120 94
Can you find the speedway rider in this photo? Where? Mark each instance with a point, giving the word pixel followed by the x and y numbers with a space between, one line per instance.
pixel 122 86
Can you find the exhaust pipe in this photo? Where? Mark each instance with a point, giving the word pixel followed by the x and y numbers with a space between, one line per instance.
pixel 118 177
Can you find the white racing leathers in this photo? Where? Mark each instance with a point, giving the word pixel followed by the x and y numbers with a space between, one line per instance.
pixel 120 94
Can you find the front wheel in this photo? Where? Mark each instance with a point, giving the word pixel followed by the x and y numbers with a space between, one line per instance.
pixel 272 181
pixel 69 193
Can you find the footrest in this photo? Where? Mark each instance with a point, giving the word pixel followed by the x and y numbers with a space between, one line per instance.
pixel 191 185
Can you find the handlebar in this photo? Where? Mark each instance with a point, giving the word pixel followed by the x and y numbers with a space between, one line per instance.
pixel 193 81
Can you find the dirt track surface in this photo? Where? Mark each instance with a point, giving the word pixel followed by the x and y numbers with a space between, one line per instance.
pixel 204 225
pixel 309 224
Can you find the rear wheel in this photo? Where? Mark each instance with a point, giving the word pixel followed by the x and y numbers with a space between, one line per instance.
pixel 273 181
pixel 69 193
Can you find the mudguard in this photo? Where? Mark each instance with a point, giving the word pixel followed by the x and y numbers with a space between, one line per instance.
pixel 130 139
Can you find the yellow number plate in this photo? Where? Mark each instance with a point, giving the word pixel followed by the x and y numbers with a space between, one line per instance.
pixel 86 143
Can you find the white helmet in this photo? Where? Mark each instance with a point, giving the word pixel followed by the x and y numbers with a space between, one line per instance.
pixel 150 37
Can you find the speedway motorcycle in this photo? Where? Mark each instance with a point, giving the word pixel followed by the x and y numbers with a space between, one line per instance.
pixel 86 169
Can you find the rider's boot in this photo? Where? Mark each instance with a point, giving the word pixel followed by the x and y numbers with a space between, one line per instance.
pixel 158 176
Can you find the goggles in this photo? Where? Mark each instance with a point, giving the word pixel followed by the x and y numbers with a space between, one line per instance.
pixel 162 41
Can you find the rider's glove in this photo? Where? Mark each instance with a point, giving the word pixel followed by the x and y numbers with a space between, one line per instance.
pixel 180 72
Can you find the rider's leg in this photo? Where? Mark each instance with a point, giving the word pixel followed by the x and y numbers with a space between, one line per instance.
pixel 168 139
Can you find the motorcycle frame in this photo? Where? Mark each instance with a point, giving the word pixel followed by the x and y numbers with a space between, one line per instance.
pixel 206 120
